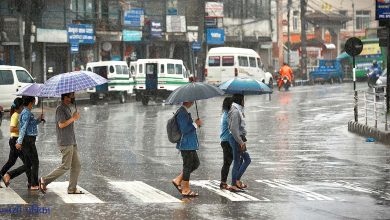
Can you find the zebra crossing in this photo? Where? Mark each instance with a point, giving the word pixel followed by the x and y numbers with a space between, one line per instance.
pixel 145 193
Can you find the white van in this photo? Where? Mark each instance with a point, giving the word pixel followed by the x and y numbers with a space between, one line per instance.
pixel 225 63
pixel 120 82
pixel 157 78
pixel 12 78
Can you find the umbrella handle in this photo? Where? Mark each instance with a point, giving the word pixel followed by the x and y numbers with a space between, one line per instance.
pixel 196 106
pixel 75 105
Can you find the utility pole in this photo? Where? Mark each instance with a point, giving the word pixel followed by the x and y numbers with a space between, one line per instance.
pixel 303 40
pixel 353 17
pixel 288 31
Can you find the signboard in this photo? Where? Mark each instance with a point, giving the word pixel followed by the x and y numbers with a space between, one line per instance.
pixel 192 36
pixel 210 22
pixel 134 17
pixel 215 36
pixel 382 10
pixel 131 35
pixel 196 46
pixel 371 49
pixel 81 34
pixel 214 9
pixel 74 48
pixel 171 7
pixel 353 46
pixel 155 29
pixel 52 35
pixel 176 23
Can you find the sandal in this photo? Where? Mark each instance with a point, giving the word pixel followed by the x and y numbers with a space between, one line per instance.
pixel 190 194
pixel 224 186
pixel 242 185
pixel 76 191
pixel 178 187
pixel 235 189
pixel 42 185
pixel 6 183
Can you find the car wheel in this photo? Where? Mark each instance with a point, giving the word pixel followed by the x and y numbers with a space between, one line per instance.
pixel 138 97
pixel 145 100
pixel 122 97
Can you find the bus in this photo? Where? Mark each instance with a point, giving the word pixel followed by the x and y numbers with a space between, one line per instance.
pixel 371 52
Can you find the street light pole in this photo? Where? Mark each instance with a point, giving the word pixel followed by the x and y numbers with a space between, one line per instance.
pixel 288 31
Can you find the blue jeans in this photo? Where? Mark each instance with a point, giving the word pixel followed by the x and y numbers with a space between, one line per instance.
pixel 241 161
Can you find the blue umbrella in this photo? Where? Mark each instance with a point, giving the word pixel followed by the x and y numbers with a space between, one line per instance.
pixel 70 82
pixel 33 89
pixel 245 86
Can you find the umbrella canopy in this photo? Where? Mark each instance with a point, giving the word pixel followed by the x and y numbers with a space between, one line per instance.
pixel 33 89
pixel 244 87
pixel 70 82
pixel 192 92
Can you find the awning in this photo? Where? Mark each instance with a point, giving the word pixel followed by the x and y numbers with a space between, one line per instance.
pixel 343 55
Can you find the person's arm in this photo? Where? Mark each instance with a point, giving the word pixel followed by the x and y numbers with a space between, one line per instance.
pixel 234 126
pixel 64 123
pixel 13 129
pixel 23 128
pixel 185 125
pixel 13 126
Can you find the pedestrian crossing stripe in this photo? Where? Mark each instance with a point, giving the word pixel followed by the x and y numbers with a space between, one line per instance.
pixel 144 192
pixel 8 197
pixel 61 189
pixel 309 195
pixel 213 186
pixel 358 188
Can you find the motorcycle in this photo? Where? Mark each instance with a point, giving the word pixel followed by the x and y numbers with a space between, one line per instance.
pixel 284 82
pixel 373 75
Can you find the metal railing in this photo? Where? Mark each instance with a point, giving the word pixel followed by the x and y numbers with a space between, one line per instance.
pixel 372 105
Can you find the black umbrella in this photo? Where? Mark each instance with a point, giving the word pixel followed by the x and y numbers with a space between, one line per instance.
pixel 192 92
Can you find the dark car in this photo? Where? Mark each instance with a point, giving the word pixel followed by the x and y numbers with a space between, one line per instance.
pixel 327 71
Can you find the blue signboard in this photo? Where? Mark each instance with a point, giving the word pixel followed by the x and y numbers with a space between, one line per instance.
pixel 81 34
pixel 382 10
pixel 215 36
pixel 133 17
pixel 196 46
pixel 132 35
pixel 155 29
pixel 74 48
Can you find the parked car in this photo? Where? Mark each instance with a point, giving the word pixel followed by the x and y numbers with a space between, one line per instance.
pixel 381 82
pixel 328 71
pixel 12 78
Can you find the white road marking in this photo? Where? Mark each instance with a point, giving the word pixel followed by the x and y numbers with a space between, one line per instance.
pixel 144 192
pixel 9 196
pixel 61 189
pixel 309 195
pixel 213 186
pixel 357 188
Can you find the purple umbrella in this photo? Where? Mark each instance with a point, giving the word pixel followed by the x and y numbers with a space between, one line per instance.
pixel 33 89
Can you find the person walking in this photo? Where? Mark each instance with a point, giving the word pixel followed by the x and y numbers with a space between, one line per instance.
pixel 226 148
pixel 14 154
pixel 188 145
pixel 28 131
pixel 237 141
pixel 66 140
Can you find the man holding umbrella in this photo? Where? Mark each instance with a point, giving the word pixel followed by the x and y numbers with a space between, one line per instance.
pixel 66 140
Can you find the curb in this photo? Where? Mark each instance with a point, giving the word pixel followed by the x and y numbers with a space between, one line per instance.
pixel 368 131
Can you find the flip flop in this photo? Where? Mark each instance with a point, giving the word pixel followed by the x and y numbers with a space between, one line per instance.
pixel 243 186
pixel 5 183
pixel 190 194
pixel 76 192
pixel 178 187
pixel 231 189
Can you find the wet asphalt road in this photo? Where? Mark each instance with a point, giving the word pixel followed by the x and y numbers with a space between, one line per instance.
pixel 305 163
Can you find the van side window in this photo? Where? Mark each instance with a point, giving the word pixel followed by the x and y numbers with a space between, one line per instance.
pixel 23 76
pixel 214 61
pixel 179 69
pixel 89 69
pixel 243 61
pixel 118 69
pixel 171 68
pixel 132 70
pixel 162 68
pixel 228 61
pixel 140 68
pixel 259 62
pixel 252 62
pixel 125 70
pixel 112 70
pixel 6 77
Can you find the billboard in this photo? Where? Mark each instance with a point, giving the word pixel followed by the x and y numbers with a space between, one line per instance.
pixel 382 10
pixel 214 9
pixel 215 36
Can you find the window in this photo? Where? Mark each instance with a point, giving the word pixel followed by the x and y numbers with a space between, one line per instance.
pixel 150 69
pixel 83 8
pixel 171 68
pixel 259 64
pixel 133 70
pixel 214 61
pixel 23 76
pixel 162 68
pixel 6 77
pixel 243 61
pixel 252 62
pixel 125 70
pixel 118 69
pixel 362 19
pixel 295 20
pixel 140 68
pixel 179 69
pixel 343 13
pixel 112 70
pixel 228 61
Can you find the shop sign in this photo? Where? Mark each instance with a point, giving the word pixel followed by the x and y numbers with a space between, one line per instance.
pixel 81 33
pixel 215 36
pixel 196 46
pixel 134 17
pixel 214 9
pixel 156 29
pixel 171 7
pixel 52 35
pixel 176 23
pixel 132 35
pixel 74 48
pixel 382 10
